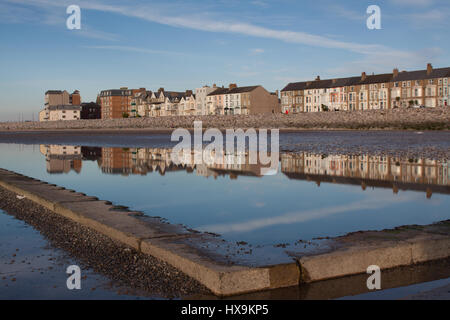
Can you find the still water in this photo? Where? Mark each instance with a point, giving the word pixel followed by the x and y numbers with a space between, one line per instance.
pixel 313 195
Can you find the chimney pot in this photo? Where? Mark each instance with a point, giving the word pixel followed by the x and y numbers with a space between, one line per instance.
pixel 429 69
pixel 395 72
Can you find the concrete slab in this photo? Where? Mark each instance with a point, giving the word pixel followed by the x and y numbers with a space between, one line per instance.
pixel 117 224
pixel 353 253
pixel 221 279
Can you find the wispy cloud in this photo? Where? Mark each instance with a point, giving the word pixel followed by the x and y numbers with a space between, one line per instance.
pixel 348 14
pixel 89 32
pixel 15 11
pixel 430 18
pixel 256 51
pixel 260 3
pixel 303 216
pixel 152 14
pixel 422 3
pixel 134 49
pixel 374 53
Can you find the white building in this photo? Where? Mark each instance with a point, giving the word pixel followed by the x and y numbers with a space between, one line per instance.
pixel 201 99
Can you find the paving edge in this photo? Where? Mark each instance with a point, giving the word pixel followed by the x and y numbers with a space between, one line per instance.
pixel 221 279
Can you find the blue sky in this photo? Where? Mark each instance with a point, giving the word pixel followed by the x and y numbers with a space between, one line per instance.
pixel 185 44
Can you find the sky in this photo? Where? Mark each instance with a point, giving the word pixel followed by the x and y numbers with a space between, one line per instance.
pixel 185 44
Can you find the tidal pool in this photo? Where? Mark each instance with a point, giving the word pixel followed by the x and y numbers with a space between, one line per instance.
pixel 313 195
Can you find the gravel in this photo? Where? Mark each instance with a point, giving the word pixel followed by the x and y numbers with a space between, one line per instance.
pixel 417 119
pixel 124 265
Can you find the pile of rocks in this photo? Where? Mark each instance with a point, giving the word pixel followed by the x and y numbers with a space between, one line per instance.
pixel 418 119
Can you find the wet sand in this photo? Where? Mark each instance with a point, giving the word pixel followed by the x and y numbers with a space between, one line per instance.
pixel 406 144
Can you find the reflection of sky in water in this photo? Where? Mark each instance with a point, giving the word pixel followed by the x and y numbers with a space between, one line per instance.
pixel 267 210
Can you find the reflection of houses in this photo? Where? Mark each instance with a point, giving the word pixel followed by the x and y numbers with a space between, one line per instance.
pixel 364 170
pixel 145 160
pixel 62 159
pixel 369 171
pixel 91 153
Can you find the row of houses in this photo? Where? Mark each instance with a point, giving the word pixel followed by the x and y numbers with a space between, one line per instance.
pixel 423 88
pixel 124 102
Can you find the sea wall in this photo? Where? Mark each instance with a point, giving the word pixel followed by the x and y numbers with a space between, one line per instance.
pixel 416 119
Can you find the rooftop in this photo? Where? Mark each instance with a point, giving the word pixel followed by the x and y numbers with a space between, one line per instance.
pixel 368 79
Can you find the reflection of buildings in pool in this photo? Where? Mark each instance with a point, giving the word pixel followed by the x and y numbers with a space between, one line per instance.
pixel 369 171
pixel 364 170
pixel 62 159
pixel 144 160
pixel 91 153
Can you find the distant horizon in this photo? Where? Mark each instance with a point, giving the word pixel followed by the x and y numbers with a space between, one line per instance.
pixel 183 45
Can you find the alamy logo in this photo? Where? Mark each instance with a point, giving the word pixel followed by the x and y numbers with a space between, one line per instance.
pixel 74 280
pixel 74 20
pixel 374 20
pixel 374 281
pixel 235 152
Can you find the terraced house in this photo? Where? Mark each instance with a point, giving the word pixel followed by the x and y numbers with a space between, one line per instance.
pixel 243 100
pixel 426 88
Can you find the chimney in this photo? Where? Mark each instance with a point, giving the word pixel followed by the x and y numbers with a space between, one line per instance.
pixel 363 76
pixel 232 86
pixel 214 85
pixel 189 92
pixel 160 90
pixel 429 69
pixel 395 72
pixel 318 78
